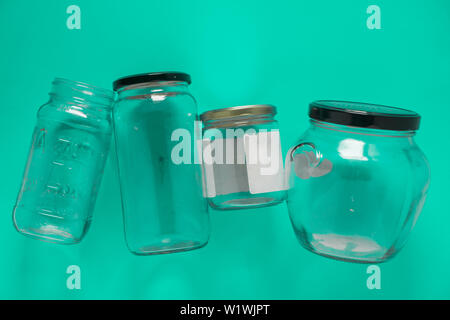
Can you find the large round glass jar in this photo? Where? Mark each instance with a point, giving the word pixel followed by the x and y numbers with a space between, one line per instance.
pixel 242 157
pixel 161 182
pixel 358 181
pixel 65 165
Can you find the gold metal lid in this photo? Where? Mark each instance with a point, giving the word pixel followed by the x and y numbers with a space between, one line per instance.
pixel 238 111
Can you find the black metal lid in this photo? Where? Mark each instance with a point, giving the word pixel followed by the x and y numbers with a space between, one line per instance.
pixel 364 115
pixel 149 77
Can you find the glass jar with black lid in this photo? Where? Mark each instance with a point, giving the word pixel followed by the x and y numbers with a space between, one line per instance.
pixel 161 184
pixel 358 180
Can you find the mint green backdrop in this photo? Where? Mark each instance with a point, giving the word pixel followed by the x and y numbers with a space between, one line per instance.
pixel 286 53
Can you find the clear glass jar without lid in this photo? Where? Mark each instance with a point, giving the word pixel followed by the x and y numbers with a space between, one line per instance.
pixel 65 165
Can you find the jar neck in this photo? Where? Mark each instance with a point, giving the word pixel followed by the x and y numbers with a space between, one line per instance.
pixel 327 126
pixel 155 90
pixel 81 94
pixel 240 121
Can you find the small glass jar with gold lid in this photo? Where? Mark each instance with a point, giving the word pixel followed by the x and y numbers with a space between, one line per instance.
pixel 242 157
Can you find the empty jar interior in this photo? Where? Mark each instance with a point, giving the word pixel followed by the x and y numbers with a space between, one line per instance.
pixel 69 147
pixel 360 198
pixel 163 206
pixel 243 163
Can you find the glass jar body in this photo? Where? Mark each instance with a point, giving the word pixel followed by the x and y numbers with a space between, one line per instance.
pixel 355 193
pixel 65 165
pixel 161 185
pixel 246 168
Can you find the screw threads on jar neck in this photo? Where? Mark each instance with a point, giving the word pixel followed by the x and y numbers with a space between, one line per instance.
pixel 80 93
pixel 323 125
pixel 146 89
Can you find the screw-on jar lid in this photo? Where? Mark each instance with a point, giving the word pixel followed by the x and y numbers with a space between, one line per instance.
pixel 239 111
pixel 151 77
pixel 364 115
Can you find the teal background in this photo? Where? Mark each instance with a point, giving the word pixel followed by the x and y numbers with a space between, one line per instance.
pixel 286 53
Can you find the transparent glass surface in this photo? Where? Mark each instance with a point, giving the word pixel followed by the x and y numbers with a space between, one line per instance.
pixel 65 164
pixel 163 205
pixel 233 184
pixel 244 200
pixel 355 194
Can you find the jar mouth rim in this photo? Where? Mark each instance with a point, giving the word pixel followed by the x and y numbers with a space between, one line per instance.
pixel 89 89
pixel 238 111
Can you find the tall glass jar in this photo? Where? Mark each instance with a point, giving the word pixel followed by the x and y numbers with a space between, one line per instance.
pixel 65 165
pixel 242 157
pixel 161 183
pixel 358 181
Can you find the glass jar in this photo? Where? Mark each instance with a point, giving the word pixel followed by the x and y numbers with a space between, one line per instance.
pixel 65 165
pixel 358 181
pixel 161 183
pixel 242 157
